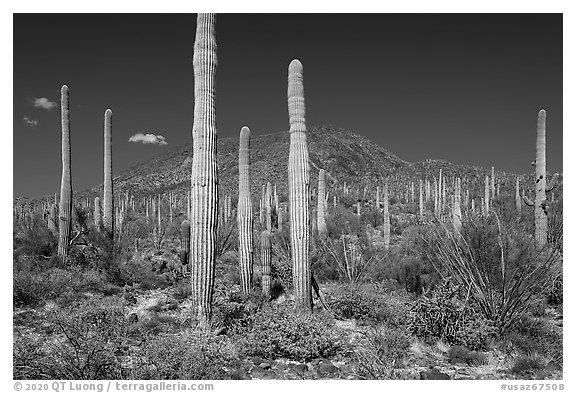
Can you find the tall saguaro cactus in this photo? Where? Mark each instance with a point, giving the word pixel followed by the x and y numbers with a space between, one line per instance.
pixel 265 260
pixel 322 229
pixel 65 210
pixel 244 216
pixel 298 188
pixel 386 214
pixel 108 187
pixel 97 213
pixel 540 187
pixel 204 178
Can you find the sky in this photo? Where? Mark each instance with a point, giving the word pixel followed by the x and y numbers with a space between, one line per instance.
pixel 461 87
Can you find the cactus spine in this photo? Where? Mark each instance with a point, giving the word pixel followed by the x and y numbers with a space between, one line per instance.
pixel 265 260
pixel 108 188
pixel 322 229
pixel 204 178
pixel 298 188
pixel 65 210
pixel 244 217
pixel 540 187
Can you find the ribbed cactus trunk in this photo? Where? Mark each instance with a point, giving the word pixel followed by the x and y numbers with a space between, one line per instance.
pixel 244 216
pixel 265 261
pixel 386 214
pixel 65 210
pixel 492 186
pixel 298 188
pixel 456 210
pixel 108 187
pixel 486 207
pixel 322 229
pixel 268 205
pixel 185 240
pixel 517 198
pixel 97 213
pixel 540 186
pixel 204 179
pixel 53 220
pixel 420 201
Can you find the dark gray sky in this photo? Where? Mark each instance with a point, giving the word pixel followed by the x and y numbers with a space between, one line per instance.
pixel 461 87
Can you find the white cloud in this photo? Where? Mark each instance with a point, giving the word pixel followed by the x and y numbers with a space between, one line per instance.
pixel 29 122
pixel 148 139
pixel 44 103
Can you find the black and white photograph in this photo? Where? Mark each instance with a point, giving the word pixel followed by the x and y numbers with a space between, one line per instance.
pixel 287 196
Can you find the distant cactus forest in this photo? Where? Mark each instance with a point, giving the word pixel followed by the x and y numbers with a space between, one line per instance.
pixel 308 254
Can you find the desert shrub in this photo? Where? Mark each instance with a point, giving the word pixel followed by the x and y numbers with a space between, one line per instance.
pixel 351 257
pixel 369 304
pixel 535 336
pixel 381 350
pixel 88 343
pixel 343 221
pixel 190 355
pixel 280 332
pixel 236 313
pixel 555 295
pixel 460 354
pixel 36 286
pixel 281 266
pixel 33 239
pixel 524 364
pixel 499 264
pixel 443 315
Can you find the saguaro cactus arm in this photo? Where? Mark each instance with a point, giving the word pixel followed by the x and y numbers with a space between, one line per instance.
pixel 527 200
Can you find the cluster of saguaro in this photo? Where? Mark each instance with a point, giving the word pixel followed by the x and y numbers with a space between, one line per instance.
pixel 204 178
pixel 244 216
pixel 322 229
pixel 540 186
pixel 298 185
pixel 185 240
pixel 108 188
pixel 265 260
pixel 65 210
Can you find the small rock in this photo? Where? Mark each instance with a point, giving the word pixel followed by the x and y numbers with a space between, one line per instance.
pixel 265 366
pixel 260 373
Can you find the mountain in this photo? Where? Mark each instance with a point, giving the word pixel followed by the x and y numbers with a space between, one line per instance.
pixel 344 155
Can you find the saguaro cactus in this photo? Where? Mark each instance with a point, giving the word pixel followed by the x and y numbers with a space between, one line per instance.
pixel 185 240
pixel 456 210
pixel 540 187
pixel 265 260
pixel 298 187
pixel 53 220
pixel 65 210
pixel 97 213
pixel 204 179
pixel 517 198
pixel 386 214
pixel 486 200
pixel 244 217
pixel 322 229
pixel 108 188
